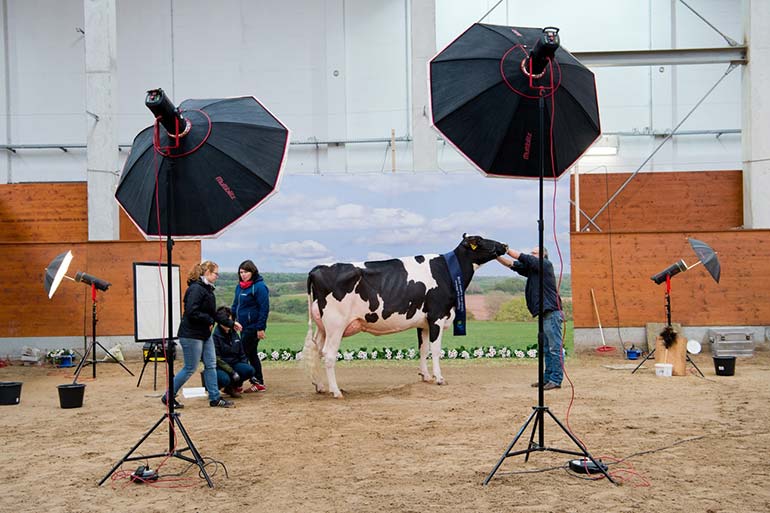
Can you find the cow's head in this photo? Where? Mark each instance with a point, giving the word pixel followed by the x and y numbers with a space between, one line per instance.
pixel 482 250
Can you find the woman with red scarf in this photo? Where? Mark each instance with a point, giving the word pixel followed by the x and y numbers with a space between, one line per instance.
pixel 251 306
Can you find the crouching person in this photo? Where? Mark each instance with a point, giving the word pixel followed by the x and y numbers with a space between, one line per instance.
pixel 233 366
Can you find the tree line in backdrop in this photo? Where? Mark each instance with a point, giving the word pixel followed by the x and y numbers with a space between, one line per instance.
pixel 288 295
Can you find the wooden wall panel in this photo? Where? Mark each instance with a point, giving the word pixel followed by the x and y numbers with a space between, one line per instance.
pixel 128 230
pixel 44 212
pixel 619 266
pixel 26 311
pixel 40 220
pixel 658 202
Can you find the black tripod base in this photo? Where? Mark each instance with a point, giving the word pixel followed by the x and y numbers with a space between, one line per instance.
pixel 652 353
pixel 537 418
pixel 173 420
pixel 91 351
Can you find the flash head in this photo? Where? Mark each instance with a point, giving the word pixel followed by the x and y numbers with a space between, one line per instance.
pixel 671 270
pixel 92 280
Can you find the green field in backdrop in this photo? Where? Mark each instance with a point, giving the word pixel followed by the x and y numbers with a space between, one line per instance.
pixel 516 335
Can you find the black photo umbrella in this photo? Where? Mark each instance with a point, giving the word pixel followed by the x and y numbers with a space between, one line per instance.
pixel 211 163
pixel 707 257
pixel 227 160
pixel 484 100
pixel 515 104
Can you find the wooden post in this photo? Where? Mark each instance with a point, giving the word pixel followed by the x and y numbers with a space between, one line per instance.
pixel 675 355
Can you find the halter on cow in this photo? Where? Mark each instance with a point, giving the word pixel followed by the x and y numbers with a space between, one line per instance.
pixel 388 296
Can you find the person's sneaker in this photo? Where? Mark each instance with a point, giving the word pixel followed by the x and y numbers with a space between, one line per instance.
pixel 260 387
pixel 222 403
pixel 177 404
pixel 255 387
pixel 232 392
pixel 551 386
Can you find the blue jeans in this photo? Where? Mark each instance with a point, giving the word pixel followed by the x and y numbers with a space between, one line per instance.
pixel 245 371
pixel 193 349
pixel 552 348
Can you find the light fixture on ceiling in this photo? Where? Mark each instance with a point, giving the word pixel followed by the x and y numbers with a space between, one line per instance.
pixel 605 146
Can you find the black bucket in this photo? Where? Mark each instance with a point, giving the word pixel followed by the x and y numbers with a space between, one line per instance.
pixel 10 392
pixel 71 395
pixel 724 365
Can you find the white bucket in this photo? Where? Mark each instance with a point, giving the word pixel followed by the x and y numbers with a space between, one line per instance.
pixel 190 392
pixel 664 369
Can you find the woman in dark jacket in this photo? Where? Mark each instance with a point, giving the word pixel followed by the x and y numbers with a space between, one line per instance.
pixel 232 365
pixel 251 305
pixel 200 313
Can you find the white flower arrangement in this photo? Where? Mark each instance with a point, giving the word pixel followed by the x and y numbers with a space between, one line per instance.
pixel 385 353
pixel 58 354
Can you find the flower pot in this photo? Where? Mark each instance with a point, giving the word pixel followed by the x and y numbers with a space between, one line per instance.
pixel 10 392
pixel 71 395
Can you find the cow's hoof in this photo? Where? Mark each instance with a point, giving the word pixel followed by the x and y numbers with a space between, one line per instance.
pixel 426 378
pixel 319 389
pixel 339 395
pixel 441 381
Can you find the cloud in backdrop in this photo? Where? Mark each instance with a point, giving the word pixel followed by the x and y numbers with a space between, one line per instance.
pixel 321 219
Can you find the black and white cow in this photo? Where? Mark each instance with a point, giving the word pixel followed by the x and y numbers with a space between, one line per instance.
pixel 387 296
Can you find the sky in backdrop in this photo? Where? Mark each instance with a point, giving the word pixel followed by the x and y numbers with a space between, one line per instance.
pixel 322 219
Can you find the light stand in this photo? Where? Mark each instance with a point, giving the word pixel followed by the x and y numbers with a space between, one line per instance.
pixel 55 273
pixel 539 411
pixel 151 354
pixel 163 108
pixel 91 349
pixel 668 276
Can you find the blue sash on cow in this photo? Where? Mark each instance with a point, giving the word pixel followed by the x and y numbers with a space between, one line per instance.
pixel 457 282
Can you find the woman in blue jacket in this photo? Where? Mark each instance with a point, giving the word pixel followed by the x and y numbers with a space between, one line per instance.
pixel 251 306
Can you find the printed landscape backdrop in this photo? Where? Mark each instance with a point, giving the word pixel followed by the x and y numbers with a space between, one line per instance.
pixel 316 219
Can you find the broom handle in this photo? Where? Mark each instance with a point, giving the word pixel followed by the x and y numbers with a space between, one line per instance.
pixel 596 309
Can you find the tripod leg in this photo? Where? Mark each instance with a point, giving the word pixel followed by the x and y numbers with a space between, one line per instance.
pixel 130 451
pixel 139 381
pixel 510 446
pixel 198 459
pixel 113 357
pixel 582 448
pixel 649 355
pixel 538 419
pixel 79 368
pixel 696 367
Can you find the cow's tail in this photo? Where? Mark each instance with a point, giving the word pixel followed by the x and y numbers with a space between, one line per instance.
pixel 311 356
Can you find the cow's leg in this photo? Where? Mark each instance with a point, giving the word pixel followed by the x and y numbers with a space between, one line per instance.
pixel 317 348
pixel 424 344
pixel 331 346
pixel 436 331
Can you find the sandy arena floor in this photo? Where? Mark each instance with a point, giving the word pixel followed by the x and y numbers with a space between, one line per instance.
pixel 394 444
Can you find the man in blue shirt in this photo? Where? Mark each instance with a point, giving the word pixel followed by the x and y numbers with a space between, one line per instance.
pixel 528 265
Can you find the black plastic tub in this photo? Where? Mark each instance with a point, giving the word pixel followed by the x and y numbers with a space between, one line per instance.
pixel 10 392
pixel 724 365
pixel 71 396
